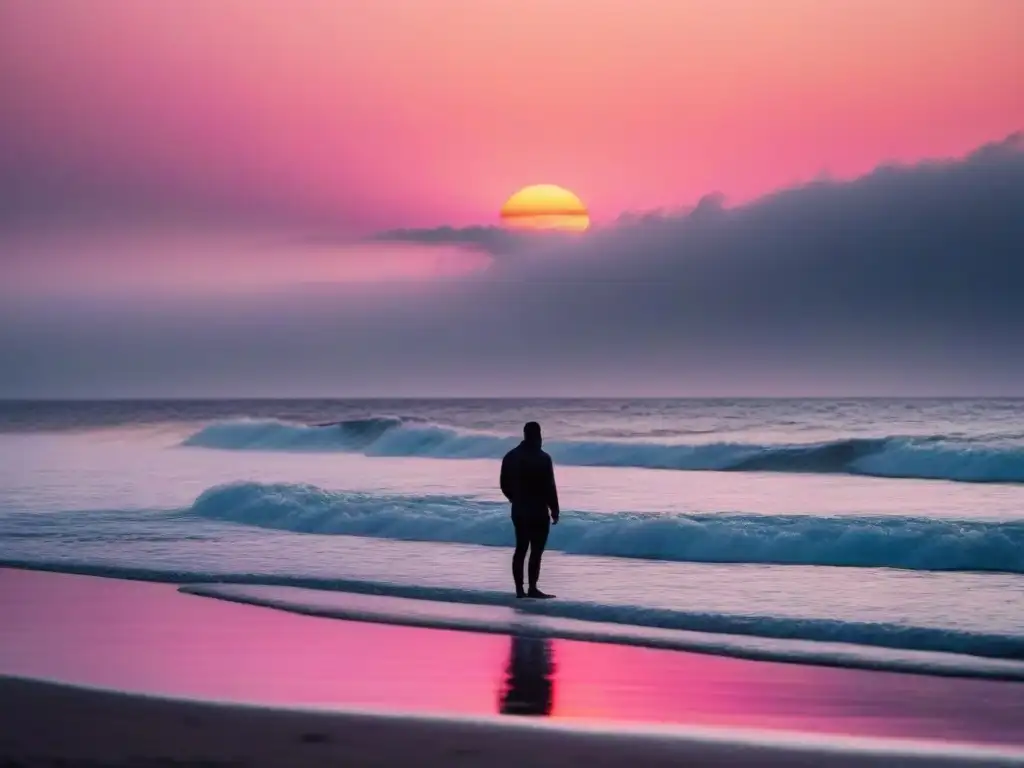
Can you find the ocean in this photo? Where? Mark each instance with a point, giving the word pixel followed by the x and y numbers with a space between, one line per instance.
pixel 866 532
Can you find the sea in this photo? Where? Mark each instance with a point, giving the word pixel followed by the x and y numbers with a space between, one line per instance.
pixel 865 532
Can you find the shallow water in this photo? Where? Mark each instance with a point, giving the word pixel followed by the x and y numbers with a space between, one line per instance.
pixel 148 638
pixel 749 536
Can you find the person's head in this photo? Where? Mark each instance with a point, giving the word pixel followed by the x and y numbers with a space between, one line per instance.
pixel 531 433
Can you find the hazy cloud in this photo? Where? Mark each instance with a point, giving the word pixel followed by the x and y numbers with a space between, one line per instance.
pixel 494 240
pixel 909 279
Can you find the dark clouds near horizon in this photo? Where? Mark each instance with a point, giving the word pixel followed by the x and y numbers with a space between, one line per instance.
pixel 909 280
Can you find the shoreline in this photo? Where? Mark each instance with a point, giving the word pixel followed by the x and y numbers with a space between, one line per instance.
pixel 505 620
pixel 152 640
pixel 743 645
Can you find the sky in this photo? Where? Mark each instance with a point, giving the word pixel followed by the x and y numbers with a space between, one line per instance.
pixel 269 197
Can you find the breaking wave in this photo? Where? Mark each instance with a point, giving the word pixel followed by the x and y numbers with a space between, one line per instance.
pixel 872 542
pixel 933 458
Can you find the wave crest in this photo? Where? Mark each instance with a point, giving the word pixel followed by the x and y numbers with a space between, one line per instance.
pixel 928 458
pixel 871 542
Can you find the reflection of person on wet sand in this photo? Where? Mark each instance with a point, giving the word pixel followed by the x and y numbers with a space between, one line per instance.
pixel 529 680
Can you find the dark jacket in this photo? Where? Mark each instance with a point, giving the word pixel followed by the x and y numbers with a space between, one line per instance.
pixel 528 481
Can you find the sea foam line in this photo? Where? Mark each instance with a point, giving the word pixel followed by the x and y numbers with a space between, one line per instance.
pixel 528 619
pixel 895 637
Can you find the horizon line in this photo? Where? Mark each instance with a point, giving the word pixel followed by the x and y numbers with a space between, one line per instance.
pixel 341 398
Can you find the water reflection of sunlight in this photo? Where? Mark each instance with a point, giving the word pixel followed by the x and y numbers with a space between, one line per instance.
pixel 528 687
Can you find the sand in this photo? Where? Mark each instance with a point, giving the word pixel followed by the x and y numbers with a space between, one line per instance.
pixel 159 675
pixel 47 724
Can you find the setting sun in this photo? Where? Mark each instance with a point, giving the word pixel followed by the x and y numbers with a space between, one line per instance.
pixel 545 206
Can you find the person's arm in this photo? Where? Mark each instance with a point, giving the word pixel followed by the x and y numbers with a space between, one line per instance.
pixel 552 492
pixel 506 478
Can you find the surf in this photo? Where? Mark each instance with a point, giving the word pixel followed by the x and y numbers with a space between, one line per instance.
pixel 926 458
pixel 910 543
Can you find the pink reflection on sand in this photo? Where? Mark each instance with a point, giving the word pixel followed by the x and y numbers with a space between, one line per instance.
pixel 597 680
pixel 150 638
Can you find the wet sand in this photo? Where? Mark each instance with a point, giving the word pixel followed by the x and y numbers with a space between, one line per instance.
pixel 443 690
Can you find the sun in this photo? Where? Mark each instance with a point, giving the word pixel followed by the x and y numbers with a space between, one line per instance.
pixel 545 206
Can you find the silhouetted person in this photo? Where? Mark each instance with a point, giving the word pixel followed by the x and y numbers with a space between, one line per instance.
pixel 528 680
pixel 528 481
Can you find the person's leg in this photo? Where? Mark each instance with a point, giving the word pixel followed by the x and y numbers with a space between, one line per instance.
pixel 519 556
pixel 538 540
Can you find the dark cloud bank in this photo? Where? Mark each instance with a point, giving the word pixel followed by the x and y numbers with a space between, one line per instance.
pixel 909 280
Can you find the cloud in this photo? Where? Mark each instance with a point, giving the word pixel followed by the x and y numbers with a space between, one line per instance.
pixel 500 241
pixel 491 239
pixel 496 241
pixel 907 280
pixel 933 251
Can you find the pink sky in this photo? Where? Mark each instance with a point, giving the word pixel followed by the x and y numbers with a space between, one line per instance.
pixel 420 112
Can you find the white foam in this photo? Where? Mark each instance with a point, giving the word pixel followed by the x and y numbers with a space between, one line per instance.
pixel 932 458
pixel 883 542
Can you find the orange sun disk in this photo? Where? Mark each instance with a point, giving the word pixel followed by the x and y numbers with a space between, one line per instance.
pixel 545 206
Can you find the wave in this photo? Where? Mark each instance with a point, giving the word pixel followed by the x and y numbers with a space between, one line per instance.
pixel 872 542
pixel 925 458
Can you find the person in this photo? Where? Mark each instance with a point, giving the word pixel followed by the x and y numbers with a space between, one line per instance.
pixel 528 482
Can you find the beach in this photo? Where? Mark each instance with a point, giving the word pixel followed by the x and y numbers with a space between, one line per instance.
pixel 114 671
pixel 491 383
pixel 294 582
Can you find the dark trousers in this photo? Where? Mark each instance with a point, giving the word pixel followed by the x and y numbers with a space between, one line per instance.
pixel 531 534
